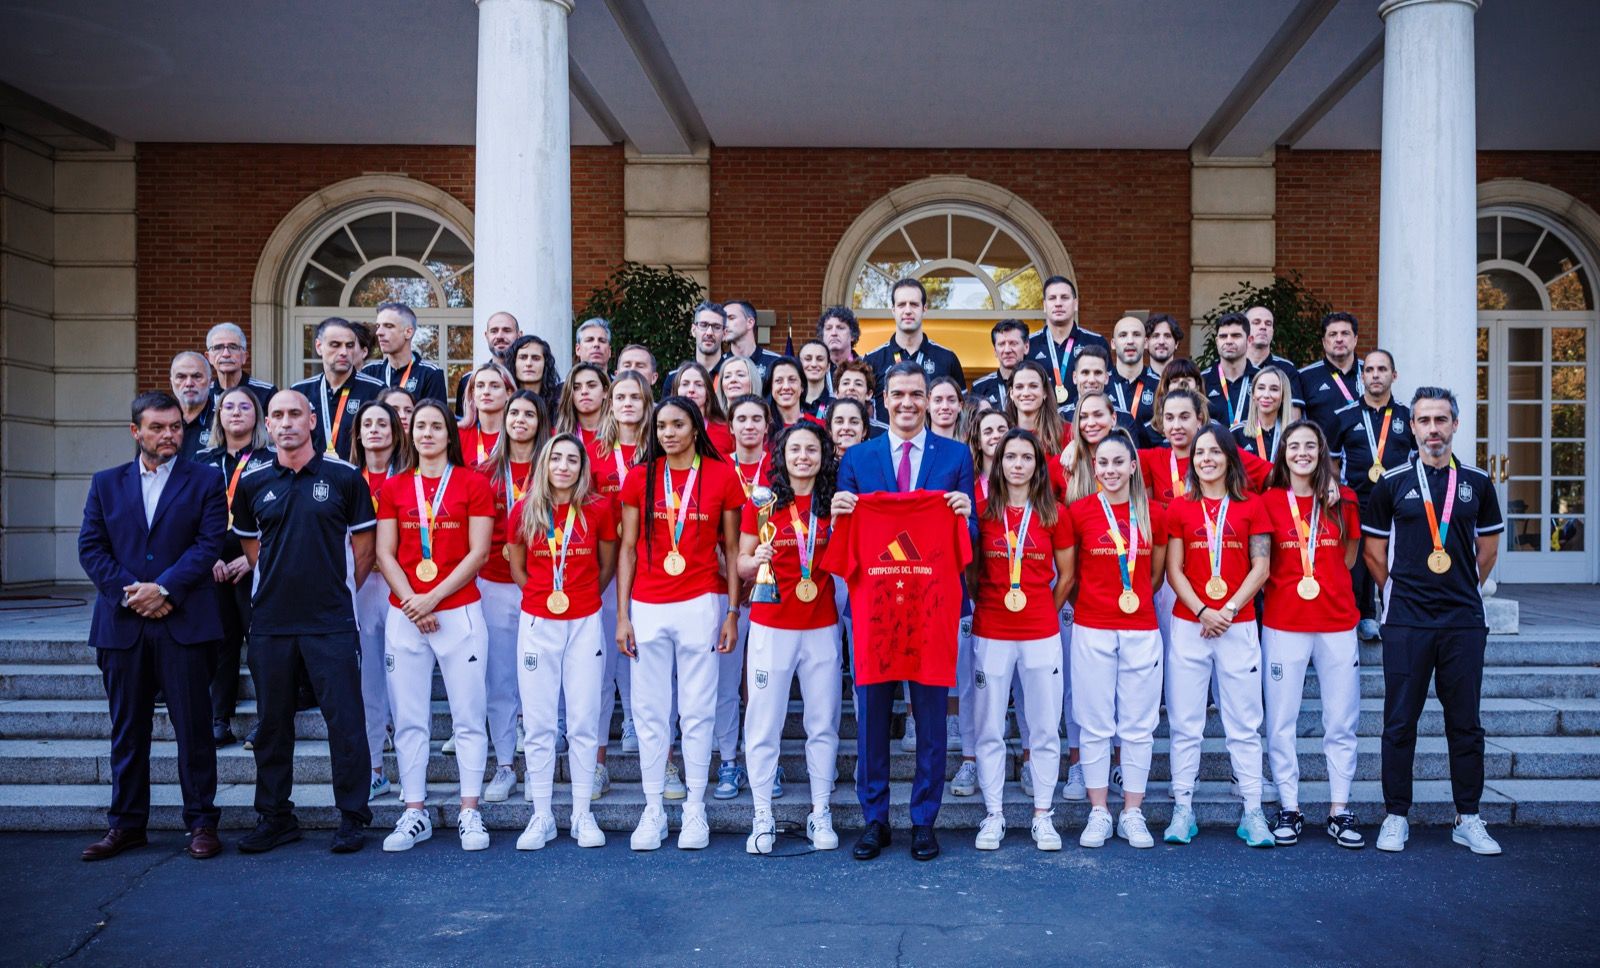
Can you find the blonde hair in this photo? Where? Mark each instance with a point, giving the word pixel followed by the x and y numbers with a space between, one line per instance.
pixel 538 505
pixel 610 432
pixel 1080 472
pixel 755 381
pixel 1286 414
pixel 469 405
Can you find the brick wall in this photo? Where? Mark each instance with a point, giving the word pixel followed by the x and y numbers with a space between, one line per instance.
pixel 206 211
pixel 777 215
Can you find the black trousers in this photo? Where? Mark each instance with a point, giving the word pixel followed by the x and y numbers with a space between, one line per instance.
pixel 233 600
pixel 132 677
pixel 1453 658
pixel 333 663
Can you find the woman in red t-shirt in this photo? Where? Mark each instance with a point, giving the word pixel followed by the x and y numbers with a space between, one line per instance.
pixel 693 381
pixel 1217 559
pixel 508 468
pixel 1031 405
pixel 381 448
pixel 585 398
pixel 680 506
pixel 1121 548
pixel 797 635
pixel 1310 617
pixel 488 393
pixel 435 526
pixel 1024 543
pixel 562 539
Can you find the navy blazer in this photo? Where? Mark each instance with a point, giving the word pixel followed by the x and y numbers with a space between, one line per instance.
pixel 946 466
pixel 116 549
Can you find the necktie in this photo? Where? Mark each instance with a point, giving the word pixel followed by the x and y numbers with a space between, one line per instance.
pixel 902 476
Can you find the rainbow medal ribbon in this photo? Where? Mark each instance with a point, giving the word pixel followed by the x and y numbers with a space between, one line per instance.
pixel 557 600
pixel 1438 526
pixel 678 513
pixel 806 547
pixel 1016 598
pixel 1128 601
pixel 1216 587
pixel 427 518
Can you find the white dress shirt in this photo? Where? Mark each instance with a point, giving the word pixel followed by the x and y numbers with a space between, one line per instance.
pixel 919 446
pixel 152 483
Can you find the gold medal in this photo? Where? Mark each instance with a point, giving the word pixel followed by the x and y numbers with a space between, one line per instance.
pixel 1061 393
pixel 805 590
pixel 674 563
pixel 426 570
pixel 1016 600
pixel 1128 601
pixel 1308 588
pixel 1439 562
pixel 505 552
pixel 557 602
pixel 1216 587
pixel 1375 473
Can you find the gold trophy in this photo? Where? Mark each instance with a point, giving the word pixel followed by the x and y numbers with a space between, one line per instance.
pixel 766 589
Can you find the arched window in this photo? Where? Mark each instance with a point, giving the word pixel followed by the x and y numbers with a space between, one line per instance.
pixel 1523 265
pixel 972 263
pixel 384 251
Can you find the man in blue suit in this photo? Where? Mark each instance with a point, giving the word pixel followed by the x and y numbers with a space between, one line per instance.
pixel 907 458
pixel 151 530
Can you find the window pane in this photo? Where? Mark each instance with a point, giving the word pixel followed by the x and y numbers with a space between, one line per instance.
pixel 376 235
pixel 1525 534
pixel 1568 496
pixel 1525 345
pixel 1553 258
pixel 1525 382
pixel 458 291
pixel 1488 243
pixel 953 289
pixel 1524 497
pixel 1483 385
pixel 1525 420
pixel 1483 344
pixel 1500 289
pixel 449 254
pixel 426 341
pixel 338 255
pixel 1517 239
pixel 1481 460
pixel 871 290
pixel 1483 421
pixel 970 235
pixel 1526 458
pixel 1568 382
pixel 394 284
pixel 1025 290
pixel 1567 346
pixel 1571 293
pixel 461 341
pixel 413 233
pixel 317 288
pixel 1567 420
pixel 929 237
pixel 1566 460
pixel 1567 535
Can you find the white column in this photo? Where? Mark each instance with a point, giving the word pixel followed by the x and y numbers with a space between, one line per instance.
pixel 523 210
pixel 1427 242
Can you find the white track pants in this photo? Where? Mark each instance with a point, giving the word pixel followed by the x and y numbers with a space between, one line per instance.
pixel 1337 656
pixel 502 612
pixel 617 678
pixel 681 634
pixel 1021 703
pixel 1037 663
pixel 1233 661
pixel 966 690
pixel 776 656
pixel 1116 692
pixel 556 657
pixel 372 612
pixel 730 673
pixel 458 646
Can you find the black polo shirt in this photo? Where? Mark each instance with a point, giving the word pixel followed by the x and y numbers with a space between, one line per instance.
pixel 1066 353
pixel 1290 370
pixel 227 463
pixel 1271 437
pixel 991 388
pixel 423 380
pixel 325 403
pixel 935 360
pixel 1354 448
pixel 1146 436
pixel 303 520
pixel 1327 391
pixel 1414 596
pixel 197 433
pixel 1233 406
pixel 260 389
pixel 1135 397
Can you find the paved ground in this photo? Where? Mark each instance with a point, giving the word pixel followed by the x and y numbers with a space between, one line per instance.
pixel 1215 901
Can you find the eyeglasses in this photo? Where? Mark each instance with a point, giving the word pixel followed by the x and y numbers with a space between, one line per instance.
pixel 710 327
pixel 225 348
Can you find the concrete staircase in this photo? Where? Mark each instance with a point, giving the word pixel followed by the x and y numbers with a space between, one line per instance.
pixel 1541 709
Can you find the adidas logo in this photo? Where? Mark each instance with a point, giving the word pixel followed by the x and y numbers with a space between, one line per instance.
pixel 1323 387
pixel 901 549
pixel 270 497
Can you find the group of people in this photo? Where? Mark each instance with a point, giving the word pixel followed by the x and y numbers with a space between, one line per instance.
pixel 1133 533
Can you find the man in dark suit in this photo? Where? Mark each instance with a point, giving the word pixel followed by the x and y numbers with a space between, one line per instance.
pixel 151 530
pixel 908 457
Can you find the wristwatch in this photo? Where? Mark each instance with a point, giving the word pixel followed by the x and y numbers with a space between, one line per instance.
pixel 163 590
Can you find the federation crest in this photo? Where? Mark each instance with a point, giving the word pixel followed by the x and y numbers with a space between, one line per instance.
pixel 411 385
pixel 388 661
pixel 1148 398
pixel 351 407
pixel 761 678
pixel 530 661
pixel 1398 426
pixel 319 490
pixel 1277 672
pixel 981 679
pixel 1464 492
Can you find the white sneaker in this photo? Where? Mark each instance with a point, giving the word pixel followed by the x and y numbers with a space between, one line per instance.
pixel 541 830
pixel 819 830
pixel 1394 833
pixel 1045 835
pixel 630 739
pixel 520 734
pixel 1027 778
pixel 952 734
pixel 908 742
pixel 474 835
pixel 652 830
pixel 1253 829
pixel 762 834
pixel 449 747
pixel 1132 828
pixel 1182 829
pixel 991 832
pixel 586 832
pixel 965 782
pixel 1075 789
pixel 675 788
pixel 1098 830
pixel 1269 790
pixel 412 829
pixel 695 833
pixel 500 787
pixel 1114 784
pixel 1471 833
pixel 602 781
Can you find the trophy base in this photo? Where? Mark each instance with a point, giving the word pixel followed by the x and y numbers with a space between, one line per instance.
pixel 766 594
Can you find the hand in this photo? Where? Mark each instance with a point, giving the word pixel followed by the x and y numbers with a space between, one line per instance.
pixel 144 597
pixel 959 503
pixel 417 606
pixel 1213 623
pixel 729 636
pixel 162 612
pixel 219 571
pixel 843 503
pixel 238 568
pixel 626 644
pixel 428 624
pixel 763 555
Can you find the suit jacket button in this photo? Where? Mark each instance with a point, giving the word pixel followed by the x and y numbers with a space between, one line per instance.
pixel 149 557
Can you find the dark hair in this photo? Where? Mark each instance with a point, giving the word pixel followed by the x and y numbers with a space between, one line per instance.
pixel 844 315
pixel 812 342
pixel 1232 319
pixel 364 336
pixel 652 451
pixel 323 326
pixel 452 451
pixel 906 282
pixel 857 366
pixel 749 309
pixel 975 436
pixel 837 402
pixel 1179 368
pixel 550 384
pixel 153 400
pixel 500 458
pixel 1437 393
pixel 748 398
pixel 713 411
pixel 905 368
pixel 1379 349
pixel 772 373
pixel 1040 490
pixel 567 410
pixel 403 455
pixel 1233 475
pixel 1152 322
pixel 947 380
pixel 1058 281
pixel 1094 351
pixel 406 312
pixel 1007 325
pixel 707 306
pixel 1332 318
pixel 778 477
pixel 1324 479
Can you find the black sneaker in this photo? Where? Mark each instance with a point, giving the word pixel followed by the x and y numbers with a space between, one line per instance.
pixel 270 833
pixel 1344 833
pixel 250 737
pixel 350 837
pixel 1286 828
pixel 222 732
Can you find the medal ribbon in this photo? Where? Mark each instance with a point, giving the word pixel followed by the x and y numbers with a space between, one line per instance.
pixel 806 545
pixel 1438 527
pixel 335 416
pixel 1306 538
pixel 1127 550
pixel 404 376
pixel 233 483
pixel 1214 535
pixel 428 512
pixel 622 465
pixel 558 562
pixel 372 492
pixel 755 478
pixel 513 492
pixel 1261 446
pixel 1055 361
pixel 1177 482
pixel 1338 381
pixel 674 503
pixel 1227 397
pixel 1014 544
pixel 1376 445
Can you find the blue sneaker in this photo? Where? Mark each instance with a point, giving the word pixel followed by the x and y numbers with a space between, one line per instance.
pixel 1254 831
pixel 777 784
pixel 1182 829
pixel 380 786
pixel 730 780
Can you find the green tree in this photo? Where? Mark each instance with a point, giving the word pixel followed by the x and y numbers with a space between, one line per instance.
pixel 1297 313
pixel 648 305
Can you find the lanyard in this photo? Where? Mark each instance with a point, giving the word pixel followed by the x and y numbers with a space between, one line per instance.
pixel 1262 450
pixel 372 492
pixel 1125 551
pixel 335 416
pixel 1227 397
pixel 478 436
pixel 513 492
pixel 1438 527
pixel 1055 361
pixel 622 465
pixel 428 513
pixel 1122 400
pixel 1214 535
pixel 233 481
pixel 1306 538
pixel 1177 482
pixel 1015 541
pixel 558 562
pixel 678 507
pixel 1338 381
pixel 755 478
pixel 806 544
pixel 389 372
pixel 1377 445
